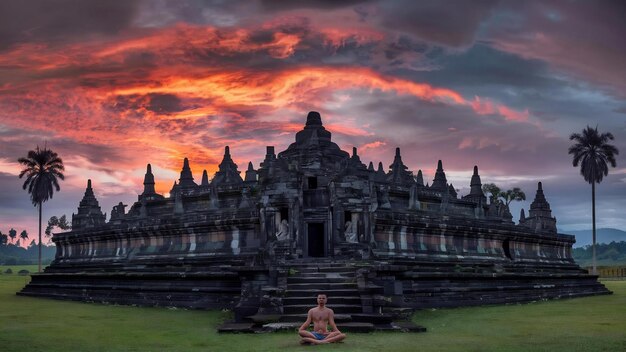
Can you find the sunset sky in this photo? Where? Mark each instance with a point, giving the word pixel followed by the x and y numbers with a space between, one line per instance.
pixel 114 85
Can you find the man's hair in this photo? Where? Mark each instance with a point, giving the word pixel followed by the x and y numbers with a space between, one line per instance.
pixel 321 293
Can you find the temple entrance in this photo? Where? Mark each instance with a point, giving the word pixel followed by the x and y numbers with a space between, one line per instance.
pixel 316 239
pixel 506 246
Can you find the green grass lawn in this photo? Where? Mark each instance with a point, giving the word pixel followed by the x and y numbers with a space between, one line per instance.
pixel 584 324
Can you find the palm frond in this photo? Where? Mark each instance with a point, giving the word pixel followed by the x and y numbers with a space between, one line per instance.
pixel 593 153
pixel 42 168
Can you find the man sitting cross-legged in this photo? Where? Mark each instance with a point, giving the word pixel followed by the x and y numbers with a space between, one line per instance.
pixel 321 317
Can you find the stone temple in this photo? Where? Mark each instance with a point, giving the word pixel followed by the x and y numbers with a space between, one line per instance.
pixel 313 218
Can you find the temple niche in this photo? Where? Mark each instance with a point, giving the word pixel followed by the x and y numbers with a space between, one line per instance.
pixel 312 218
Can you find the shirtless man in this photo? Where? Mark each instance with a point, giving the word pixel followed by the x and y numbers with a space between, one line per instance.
pixel 321 317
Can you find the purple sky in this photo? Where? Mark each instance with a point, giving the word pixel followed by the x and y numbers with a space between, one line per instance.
pixel 112 86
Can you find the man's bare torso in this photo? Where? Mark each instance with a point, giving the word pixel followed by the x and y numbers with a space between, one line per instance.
pixel 320 317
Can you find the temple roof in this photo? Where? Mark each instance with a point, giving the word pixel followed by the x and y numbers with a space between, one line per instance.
pixel 175 189
pixel 313 126
pixel 451 190
pixel 186 178
pixel 475 184
pixel 205 179
pixel 148 181
pixel 228 173
pixel 89 199
pixel 539 215
pixel 399 173
pixel 355 166
pixel 89 213
pixel 313 148
pixel 381 176
pixel 251 174
pixel 540 202
pixel 440 182
pixel 476 191
pixel 419 179
pixel 149 192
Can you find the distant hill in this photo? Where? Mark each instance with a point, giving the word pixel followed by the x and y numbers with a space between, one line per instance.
pixel 612 254
pixel 606 235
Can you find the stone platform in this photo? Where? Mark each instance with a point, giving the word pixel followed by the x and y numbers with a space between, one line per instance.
pixel 381 244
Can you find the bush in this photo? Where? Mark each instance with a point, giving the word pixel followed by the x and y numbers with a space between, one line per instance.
pixel 8 271
pixel 23 272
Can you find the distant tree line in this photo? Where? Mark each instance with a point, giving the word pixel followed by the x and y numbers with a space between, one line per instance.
pixel 11 237
pixel 11 254
pixel 613 253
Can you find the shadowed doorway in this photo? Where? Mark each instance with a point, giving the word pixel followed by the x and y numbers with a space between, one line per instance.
pixel 315 240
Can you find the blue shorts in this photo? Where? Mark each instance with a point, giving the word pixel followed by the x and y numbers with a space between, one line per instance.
pixel 318 336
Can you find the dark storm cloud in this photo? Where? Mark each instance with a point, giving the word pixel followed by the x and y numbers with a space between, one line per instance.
pixel 520 83
pixel 102 156
pixel 313 48
pixel 165 103
pixel 17 142
pixel 431 131
pixel 61 20
pixel 582 38
pixel 155 102
pixel 621 110
pixel 12 193
pixel 274 5
pixel 160 13
pixel 451 23
pixel 482 65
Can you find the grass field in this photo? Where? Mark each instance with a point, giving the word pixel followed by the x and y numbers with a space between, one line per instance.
pixel 584 324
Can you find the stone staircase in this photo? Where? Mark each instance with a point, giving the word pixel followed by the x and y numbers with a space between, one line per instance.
pixel 337 279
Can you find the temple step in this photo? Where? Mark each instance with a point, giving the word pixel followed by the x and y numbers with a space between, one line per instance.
pixel 337 308
pixel 301 317
pixel 320 280
pixel 322 286
pixel 312 292
pixel 310 299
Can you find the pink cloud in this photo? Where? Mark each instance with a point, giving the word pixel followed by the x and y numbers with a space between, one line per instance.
pixel 487 107
pixel 372 145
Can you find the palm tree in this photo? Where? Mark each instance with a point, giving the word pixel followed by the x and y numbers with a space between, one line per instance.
pixel 42 169
pixel 12 234
pixel 594 155
pixel 24 235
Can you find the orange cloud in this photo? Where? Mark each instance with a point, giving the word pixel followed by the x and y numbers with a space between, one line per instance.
pixel 103 93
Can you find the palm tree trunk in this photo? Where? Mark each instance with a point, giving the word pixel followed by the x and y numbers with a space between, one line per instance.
pixel 593 217
pixel 40 238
